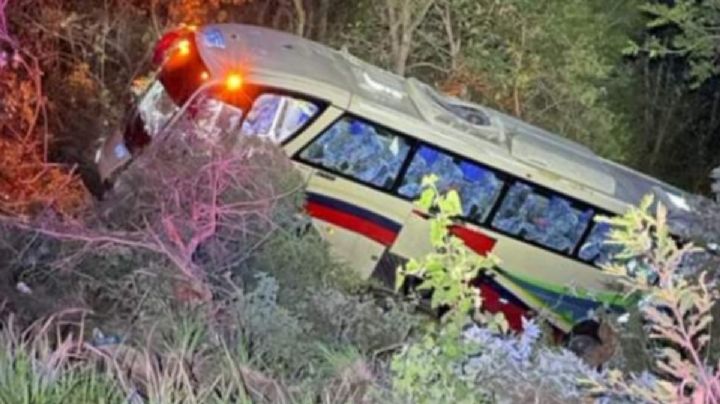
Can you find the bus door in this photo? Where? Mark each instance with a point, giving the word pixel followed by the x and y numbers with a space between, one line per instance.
pixel 355 166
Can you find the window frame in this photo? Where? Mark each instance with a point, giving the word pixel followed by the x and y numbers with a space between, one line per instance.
pixel 410 141
pixel 507 179
pixel 255 91
pixel 321 104
pixel 547 195
pixel 500 175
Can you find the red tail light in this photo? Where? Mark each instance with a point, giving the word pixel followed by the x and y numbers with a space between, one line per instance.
pixel 182 70
pixel 164 45
pixel 170 41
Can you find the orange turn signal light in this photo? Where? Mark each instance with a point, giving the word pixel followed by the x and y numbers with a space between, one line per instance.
pixel 233 82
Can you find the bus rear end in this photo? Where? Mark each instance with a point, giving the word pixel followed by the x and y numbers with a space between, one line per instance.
pixel 182 83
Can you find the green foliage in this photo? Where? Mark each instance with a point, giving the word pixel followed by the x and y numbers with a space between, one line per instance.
pixel 447 272
pixel 550 63
pixel 36 370
pixel 426 371
pixel 696 26
pixel 328 298
pixel 677 308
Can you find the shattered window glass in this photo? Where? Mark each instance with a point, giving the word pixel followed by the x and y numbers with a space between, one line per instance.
pixel 215 118
pixel 597 249
pixel 550 221
pixel 360 150
pixel 478 187
pixel 156 108
pixel 277 117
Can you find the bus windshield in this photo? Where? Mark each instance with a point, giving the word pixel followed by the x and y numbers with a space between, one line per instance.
pixel 272 115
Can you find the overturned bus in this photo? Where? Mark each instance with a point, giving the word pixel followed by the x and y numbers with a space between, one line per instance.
pixel 364 138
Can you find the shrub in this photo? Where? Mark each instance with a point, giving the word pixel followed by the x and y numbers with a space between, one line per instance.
pixel 278 308
pixel 29 182
pixel 463 360
pixel 677 310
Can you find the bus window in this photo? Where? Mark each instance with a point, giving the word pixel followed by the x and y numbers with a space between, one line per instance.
pixel 215 118
pixel 597 249
pixel 478 187
pixel 156 109
pixel 551 222
pixel 277 117
pixel 361 150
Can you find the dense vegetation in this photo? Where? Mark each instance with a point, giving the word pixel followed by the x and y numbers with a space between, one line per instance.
pixel 198 280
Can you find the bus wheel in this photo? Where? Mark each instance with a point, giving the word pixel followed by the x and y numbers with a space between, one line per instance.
pixel 594 342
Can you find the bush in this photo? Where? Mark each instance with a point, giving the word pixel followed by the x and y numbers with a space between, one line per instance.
pixel 470 357
pixel 677 309
pixel 278 310
pixel 35 369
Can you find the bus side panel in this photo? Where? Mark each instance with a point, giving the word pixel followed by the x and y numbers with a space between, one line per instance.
pixel 562 289
pixel 360 223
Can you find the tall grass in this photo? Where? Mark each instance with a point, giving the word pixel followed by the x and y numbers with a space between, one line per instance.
pixel 40 366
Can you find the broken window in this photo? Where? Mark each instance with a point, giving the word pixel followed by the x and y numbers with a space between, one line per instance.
pixel 478 187
pixel 277 117
pixel 596 249
pixel 156 108
pixel 361 150
pixel 551 221
pixel 215 118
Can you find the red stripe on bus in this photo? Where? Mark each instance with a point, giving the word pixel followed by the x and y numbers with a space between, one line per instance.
pixel 494 303
pixel 475 240
pixel 351 222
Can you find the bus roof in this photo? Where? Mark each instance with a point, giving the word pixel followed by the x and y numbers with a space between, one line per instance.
pixel 226 46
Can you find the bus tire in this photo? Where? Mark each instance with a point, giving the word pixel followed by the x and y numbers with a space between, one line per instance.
pixel 592 341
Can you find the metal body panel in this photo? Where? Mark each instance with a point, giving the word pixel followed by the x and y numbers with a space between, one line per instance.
pixel 359 223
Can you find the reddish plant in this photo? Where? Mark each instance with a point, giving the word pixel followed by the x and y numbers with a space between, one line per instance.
pixel 28 182
pixel 203 207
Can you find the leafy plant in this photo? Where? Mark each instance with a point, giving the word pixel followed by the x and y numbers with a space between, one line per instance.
pixel 448 271
pixel 509 368
pixel 426 371
pixel 695 24
pixel 676 307
pixel 466 361
pixel 34 368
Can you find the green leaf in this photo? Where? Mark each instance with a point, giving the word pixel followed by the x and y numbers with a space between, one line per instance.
pixel 427 199
pixel 438 231
pixel 429 180
pixel 450 204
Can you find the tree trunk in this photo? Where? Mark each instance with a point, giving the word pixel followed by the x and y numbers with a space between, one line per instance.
pixel 665 118
pixel 322 24
pixel 517 102
pixel 403 19
pixel 262 13
pixel 301 17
